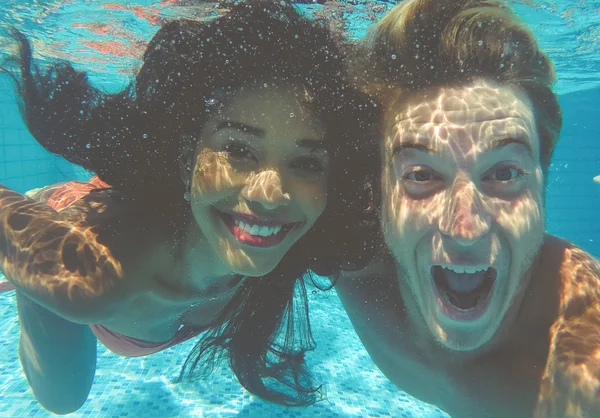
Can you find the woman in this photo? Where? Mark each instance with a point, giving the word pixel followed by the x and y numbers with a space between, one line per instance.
pixel 234 168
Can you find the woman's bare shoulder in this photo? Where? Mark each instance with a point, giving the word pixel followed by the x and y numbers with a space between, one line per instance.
pixel 132 235
pixel 86 259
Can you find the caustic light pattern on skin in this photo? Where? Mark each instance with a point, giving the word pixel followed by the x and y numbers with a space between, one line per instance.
pixel 464 187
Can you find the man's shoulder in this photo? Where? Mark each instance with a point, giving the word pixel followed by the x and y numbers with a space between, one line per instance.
pixel 573 368
pixel 579 273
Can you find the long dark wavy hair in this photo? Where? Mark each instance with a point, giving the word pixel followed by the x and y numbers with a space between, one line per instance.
pixel 131 141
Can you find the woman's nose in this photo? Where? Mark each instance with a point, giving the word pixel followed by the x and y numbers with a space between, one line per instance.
pixel 265 189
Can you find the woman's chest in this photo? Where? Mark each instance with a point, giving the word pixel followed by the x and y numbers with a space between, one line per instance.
pixel 159 311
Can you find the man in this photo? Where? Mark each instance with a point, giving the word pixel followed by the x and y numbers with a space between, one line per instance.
pixel 473 308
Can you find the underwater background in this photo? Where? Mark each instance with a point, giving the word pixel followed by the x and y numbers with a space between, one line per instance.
pixel 107 39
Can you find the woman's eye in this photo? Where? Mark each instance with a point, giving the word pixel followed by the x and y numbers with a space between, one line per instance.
pixel 419 175
pixel 238 151
pixel 309 165
pixel 505 174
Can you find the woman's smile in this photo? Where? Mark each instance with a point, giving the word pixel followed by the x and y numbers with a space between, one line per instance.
pixel 255 231
pixel 261 178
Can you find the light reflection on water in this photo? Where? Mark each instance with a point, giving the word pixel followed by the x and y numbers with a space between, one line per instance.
pixel 108 38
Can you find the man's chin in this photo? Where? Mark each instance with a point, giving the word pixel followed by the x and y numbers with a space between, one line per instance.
pixel 462 334
pixel 462 340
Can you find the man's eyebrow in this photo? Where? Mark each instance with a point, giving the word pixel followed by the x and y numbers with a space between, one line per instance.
pixel 419 146
pixel 504 141
pixel 242 127
pixel 312 144
pixel 494 144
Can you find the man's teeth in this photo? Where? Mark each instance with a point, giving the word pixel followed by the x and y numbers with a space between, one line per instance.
pixel 466 269
pixel 263 231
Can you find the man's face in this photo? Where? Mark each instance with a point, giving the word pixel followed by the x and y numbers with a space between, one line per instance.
pixel 463 207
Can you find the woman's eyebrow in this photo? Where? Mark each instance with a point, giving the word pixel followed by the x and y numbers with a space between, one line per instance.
pixel 242 127
pixel 312 144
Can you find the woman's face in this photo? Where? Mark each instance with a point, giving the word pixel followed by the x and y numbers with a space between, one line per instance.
pixel 259 177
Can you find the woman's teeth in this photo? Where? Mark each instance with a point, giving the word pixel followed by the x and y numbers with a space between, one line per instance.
pixel 263 231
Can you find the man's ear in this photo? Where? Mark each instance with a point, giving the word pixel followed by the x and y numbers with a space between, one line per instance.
pixel 187 149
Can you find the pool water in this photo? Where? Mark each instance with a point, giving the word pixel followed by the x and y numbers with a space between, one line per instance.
pixel 107 39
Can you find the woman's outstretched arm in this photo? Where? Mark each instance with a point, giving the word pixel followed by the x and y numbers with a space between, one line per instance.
pixel 58 357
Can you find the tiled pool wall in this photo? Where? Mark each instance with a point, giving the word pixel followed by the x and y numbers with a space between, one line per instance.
pixel 24 164
pixel 573 199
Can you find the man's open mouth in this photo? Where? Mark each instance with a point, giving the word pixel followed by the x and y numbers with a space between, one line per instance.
pixel 463 291
pixel 255 232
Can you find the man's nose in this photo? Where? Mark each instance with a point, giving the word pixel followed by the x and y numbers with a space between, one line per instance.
pixel 465 218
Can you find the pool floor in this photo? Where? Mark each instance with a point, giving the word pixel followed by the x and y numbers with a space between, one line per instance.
pixel 141 387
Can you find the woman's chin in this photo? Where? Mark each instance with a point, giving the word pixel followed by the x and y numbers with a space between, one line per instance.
pixel 251 271
pixel 241 263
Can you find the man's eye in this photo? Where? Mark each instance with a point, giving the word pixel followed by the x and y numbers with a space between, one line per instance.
pixel 505 174
pixel 238 151
pixel 419 175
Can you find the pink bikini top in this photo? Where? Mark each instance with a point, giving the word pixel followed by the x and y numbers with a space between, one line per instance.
pixel 132 347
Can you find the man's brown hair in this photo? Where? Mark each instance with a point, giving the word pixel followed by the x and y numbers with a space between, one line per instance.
pixel 428 44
